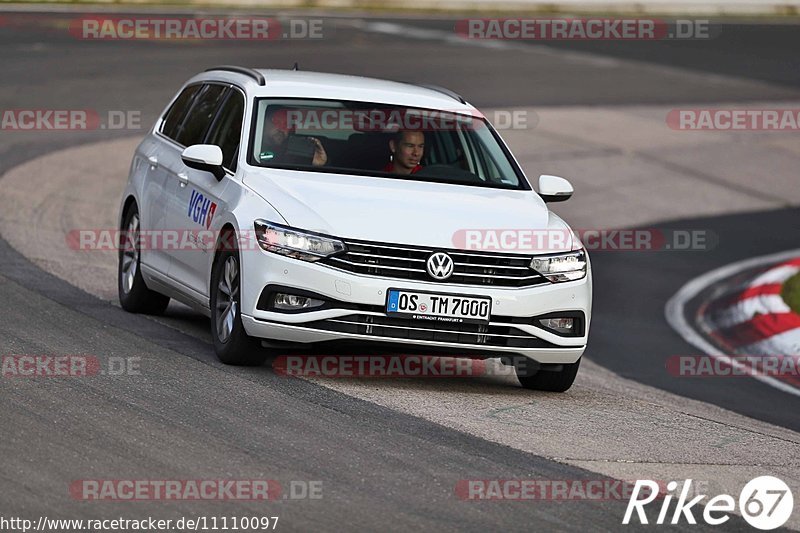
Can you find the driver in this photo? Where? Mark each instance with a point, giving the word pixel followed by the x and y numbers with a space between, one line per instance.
pixel 407 147
pixel 275 141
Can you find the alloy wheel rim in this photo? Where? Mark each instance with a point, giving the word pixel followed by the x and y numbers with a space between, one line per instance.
pixel 130 255
pixel 227 293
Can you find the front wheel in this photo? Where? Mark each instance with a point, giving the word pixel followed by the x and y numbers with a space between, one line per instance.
pixel 134 296
pixel 231 343
pixel 550 378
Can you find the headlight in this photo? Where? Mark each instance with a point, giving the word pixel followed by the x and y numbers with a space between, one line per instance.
pixel 561 267
pixel 295 243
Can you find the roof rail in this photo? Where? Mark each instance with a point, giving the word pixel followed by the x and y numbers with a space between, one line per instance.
pixel 256 75
pixel 452 94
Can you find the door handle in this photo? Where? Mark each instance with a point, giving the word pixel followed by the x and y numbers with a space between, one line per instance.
pixel 183 179
pixel 153 161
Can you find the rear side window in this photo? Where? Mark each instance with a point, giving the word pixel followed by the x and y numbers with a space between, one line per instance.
pixel 174 117
pixel 194 127
pixel 227 129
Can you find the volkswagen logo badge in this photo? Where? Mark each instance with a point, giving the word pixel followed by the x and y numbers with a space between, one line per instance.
pixel 440 266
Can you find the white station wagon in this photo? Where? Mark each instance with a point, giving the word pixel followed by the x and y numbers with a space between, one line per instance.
pixel 329 212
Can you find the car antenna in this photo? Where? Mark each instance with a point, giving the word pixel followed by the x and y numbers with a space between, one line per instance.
pixel 296 66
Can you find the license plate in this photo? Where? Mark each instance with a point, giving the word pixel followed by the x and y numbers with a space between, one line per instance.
pixel 438 307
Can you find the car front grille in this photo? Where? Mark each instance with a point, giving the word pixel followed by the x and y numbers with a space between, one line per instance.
pixel 454 333
pixel 406 262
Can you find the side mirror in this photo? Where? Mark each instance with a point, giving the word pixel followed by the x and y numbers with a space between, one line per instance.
pixel 206 157
pixel 554 189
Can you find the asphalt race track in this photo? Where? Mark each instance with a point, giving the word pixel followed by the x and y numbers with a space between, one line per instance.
pixel 386 458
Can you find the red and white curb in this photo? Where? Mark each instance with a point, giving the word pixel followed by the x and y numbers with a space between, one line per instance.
pixel 754 321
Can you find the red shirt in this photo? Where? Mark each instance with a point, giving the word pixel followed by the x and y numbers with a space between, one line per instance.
pixel 390 168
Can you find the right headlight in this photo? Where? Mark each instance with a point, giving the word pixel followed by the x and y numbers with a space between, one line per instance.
pixel 561 267
pixel 295 243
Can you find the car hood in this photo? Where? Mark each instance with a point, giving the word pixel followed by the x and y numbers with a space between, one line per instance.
pixel 397 211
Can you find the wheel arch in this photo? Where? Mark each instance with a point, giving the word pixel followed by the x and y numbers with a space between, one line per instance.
pixel 227 229
pixel 126 205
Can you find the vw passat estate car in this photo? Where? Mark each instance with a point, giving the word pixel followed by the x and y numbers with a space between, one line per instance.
pixel 311 210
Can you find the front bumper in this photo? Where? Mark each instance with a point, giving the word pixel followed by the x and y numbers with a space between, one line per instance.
pixel 364 297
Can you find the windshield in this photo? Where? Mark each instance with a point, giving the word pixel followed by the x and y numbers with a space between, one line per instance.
pixel 380 140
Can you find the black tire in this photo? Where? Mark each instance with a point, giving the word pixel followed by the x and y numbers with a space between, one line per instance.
pixel 134 296
pixel 231 343
pixel 552 378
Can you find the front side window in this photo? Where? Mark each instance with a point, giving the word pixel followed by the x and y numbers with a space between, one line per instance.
pixel 227 129
pixel 197 121
pixel 380 140
pixel 177 111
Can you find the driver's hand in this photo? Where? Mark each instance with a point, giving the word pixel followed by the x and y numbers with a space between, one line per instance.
pixel 320 157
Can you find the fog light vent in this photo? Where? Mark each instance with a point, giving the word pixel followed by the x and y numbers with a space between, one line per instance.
pixel 292 302
pixel 565 326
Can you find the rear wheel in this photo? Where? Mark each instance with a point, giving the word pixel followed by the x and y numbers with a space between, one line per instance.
pixel 550 378
pixel 231 343
pixel 134 296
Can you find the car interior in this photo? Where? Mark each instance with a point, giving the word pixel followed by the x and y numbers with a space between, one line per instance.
pixel 455 154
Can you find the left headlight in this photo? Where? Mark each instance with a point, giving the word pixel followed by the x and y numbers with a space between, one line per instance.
pixel 295 243
pixel 561 267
